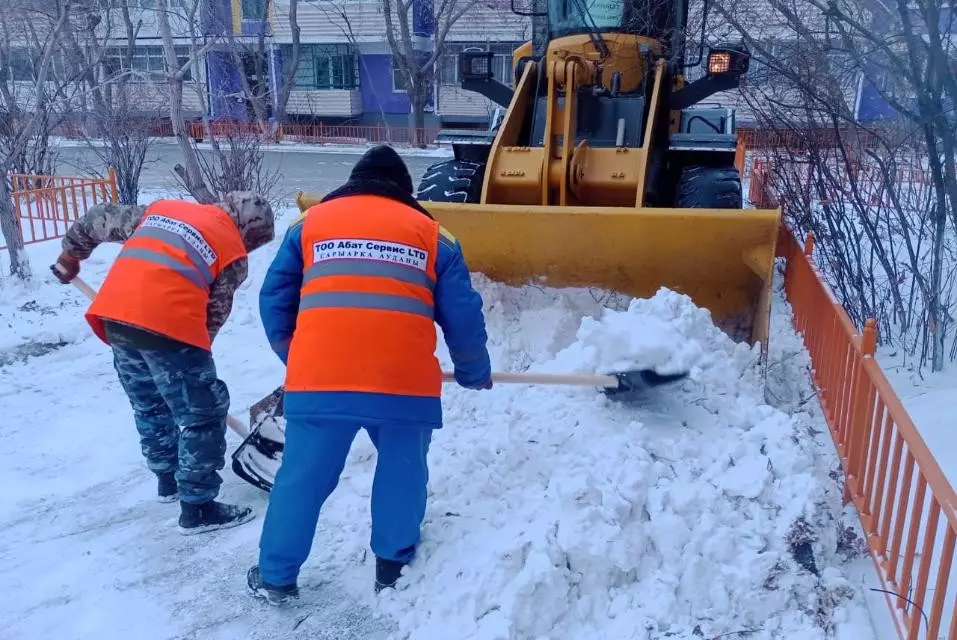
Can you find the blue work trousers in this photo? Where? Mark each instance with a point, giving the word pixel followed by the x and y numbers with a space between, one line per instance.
pixel 314 455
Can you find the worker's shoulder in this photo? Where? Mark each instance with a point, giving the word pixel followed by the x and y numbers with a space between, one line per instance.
pixel 298 220
pixel 294 230
pixel 446 238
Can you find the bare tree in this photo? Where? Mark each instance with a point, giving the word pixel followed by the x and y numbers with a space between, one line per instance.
pixel 251 61
pixel 191 174
pixel 25 101
pixel 123 103
pixel 878 198
pixel 235 160
pixel 418 68
pixel 289 67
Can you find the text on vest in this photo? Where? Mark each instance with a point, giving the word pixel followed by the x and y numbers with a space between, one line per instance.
pixel 187 232
pixel 378 250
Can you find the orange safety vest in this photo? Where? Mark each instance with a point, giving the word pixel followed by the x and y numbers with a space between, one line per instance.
pixel 162 277
pixel 365 319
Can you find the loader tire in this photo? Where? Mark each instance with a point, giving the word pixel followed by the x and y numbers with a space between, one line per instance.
pixel 452 181
pixel 702 187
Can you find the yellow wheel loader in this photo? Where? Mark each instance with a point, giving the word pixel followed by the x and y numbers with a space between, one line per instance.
pixel 606 170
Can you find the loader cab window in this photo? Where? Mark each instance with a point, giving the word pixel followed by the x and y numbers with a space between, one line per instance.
pixel 640 17
pixel 566 17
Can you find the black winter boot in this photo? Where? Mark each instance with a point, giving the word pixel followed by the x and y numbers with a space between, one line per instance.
pixel 272 594
pixel 212 515
pixel 387 573
pixel 166 487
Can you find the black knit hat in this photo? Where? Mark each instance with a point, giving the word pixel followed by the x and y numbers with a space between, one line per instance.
pixel 383 163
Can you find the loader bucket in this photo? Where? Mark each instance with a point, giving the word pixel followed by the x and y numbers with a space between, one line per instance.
pixel 722 259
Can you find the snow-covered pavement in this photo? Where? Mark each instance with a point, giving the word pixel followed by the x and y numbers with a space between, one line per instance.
pixel 554 513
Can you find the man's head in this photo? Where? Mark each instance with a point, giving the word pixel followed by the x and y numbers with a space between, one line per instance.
pixel 254 217
pixel 383 163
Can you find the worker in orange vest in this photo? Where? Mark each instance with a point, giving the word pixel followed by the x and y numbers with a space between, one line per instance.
pixel 161 305
pixel 350 304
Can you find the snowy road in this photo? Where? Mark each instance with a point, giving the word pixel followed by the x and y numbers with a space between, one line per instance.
pixel 553 514
pixel 304 169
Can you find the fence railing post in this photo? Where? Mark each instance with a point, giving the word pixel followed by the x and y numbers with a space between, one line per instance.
pixel 739 154
pixel 869 338
pixel 114 193
pixel 862 412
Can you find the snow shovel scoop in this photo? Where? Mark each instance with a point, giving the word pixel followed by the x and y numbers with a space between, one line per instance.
pixel 90 293
pixel 625 385
pixel 257 459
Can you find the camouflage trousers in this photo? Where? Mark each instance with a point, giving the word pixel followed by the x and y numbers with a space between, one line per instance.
pixel 172 388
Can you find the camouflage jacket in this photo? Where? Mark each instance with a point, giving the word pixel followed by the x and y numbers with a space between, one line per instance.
pixel 116 223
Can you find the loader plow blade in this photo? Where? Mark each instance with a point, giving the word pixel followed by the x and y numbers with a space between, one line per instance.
pixel 722 259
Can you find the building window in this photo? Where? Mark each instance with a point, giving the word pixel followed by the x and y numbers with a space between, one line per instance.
pixel 148 64
pixel 501 60
pixel 324 66
pixel 21 65
pixel 182 5
pixel 254 9
pixel 400 79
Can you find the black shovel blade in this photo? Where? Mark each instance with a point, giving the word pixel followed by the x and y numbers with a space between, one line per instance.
pixel 257 459
pixel 632 383
pixel 269 407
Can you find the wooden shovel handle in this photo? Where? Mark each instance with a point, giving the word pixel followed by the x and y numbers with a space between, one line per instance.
pixel 90 293
pixel 574 379
pixel 84 287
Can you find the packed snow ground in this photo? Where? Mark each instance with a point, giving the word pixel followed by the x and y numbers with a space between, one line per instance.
pixel 554 513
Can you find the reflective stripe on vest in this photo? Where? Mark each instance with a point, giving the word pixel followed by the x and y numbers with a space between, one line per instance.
pixel 199 263
pixel 162 277
pixel 362 300
pixel 366 311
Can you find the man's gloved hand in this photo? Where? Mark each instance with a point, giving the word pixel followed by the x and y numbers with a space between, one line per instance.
pixel 482 384
pixel 66 268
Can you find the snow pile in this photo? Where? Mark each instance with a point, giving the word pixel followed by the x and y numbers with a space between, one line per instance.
pixel 556 513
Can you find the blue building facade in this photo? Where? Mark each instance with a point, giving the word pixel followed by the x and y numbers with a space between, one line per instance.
pixel 340 80
pixel 872 107
pixel 326 72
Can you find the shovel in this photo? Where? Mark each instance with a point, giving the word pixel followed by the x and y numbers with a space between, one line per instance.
pixel 258 458
pixel 624 385
pixel 90 293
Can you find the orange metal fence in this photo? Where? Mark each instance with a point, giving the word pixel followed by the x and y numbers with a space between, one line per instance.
pixel 319 133
pixel 759 188
pixel 357 134
pixel 79 131
pixel 47 205
pixel 801 138
pixel 907 507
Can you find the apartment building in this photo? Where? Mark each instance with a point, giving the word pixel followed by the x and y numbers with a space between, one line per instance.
pixel 141 69
pixel 346 73
pixel 345 69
